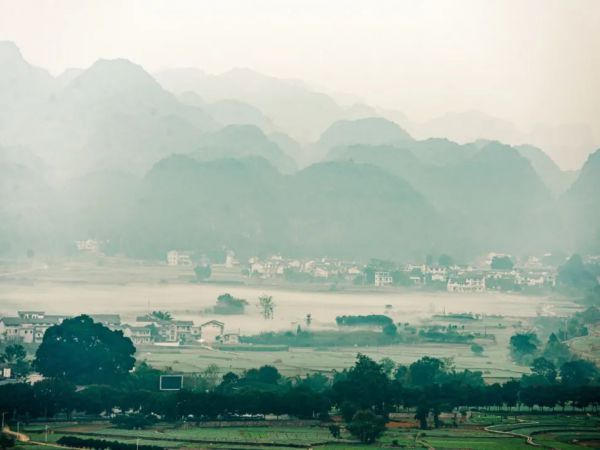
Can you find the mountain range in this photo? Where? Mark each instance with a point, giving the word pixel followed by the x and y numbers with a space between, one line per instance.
pixel 259 165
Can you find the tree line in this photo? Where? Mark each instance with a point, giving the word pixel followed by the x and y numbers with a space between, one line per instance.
pixel 366 392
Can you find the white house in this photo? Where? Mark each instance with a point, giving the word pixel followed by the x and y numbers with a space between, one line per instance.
pixel 179 258
pixel 383 279
pixel 27 328
pixel 138 335
pixel 469 283
pixel 88 245
pixel 437 273
pixel 320 272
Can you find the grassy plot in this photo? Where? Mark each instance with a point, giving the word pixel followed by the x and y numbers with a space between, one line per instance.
pixel 563 432
pixel 495 364
pixel 249 434
pixel 493 333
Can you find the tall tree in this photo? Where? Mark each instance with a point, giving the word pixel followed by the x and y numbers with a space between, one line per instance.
pixel 502 263
pixel 425 371
pixel 366 426
pixel 523 346
pixel 445 260
pixel 556 351
pixel 573 273
pixel 578 373
pixel 15 356
pixel 84 352
pixel 544 368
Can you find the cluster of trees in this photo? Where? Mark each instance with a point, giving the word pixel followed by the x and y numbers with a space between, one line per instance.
pixel 364 394
pixel 228 304
pixel 526 346
pixel 390 334
pixel 326 338
pixel 202 272
pixel 371 320
pixel 15 357
pixel 502 263
pixel 575 274
pixel 6 441
pixel 161 316
pixel 390 330
pixel 443 334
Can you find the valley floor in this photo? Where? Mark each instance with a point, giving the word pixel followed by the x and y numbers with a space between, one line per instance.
pixel 481 431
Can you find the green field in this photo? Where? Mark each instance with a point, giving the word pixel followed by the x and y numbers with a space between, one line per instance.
pixel 495 362
pixel 563 432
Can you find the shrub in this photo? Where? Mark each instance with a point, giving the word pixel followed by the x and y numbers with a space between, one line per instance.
pixel 366 426
pixel 477 349
pixel 101 444
pixel 371 320
pixel 133 421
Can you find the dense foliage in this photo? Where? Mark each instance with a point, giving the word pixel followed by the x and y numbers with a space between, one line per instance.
pixel 101 444
pixel 428 387
pixel 83 351
pixel 228 304
pixel 378 320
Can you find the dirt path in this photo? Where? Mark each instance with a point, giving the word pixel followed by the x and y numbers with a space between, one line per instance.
pixel 22 437
pixel 18 436
pixel 528 439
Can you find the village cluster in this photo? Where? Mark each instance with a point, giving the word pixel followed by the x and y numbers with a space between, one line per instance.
pixel 28 327
pixel 530 274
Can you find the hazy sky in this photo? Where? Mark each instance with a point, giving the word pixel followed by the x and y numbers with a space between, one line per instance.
pixel 526 61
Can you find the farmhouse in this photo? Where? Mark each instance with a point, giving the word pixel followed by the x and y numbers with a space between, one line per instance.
pixel 179 258
pixel 27 328
pixel 138 335
pixel 211 331
pixel 437 273
pixel 230 338
pixel 176 330
pixel 88 245
pixel 466 283
pixel 383 279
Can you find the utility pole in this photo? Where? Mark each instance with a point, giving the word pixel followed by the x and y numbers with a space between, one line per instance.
pixel 46 433
pixel 137 444
pixel 3 413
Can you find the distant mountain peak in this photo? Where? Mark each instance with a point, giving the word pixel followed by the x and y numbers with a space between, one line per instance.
pixel 594 159
pixel 116 74
pixel 9 52
pixel 244 73
pixel 242 130
pixel 369 130
pixel 590 172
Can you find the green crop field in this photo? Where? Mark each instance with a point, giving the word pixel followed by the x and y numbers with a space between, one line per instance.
pixel 563 432
pixel 495 363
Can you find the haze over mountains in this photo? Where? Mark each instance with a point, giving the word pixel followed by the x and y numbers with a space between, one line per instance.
pixel 256 164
